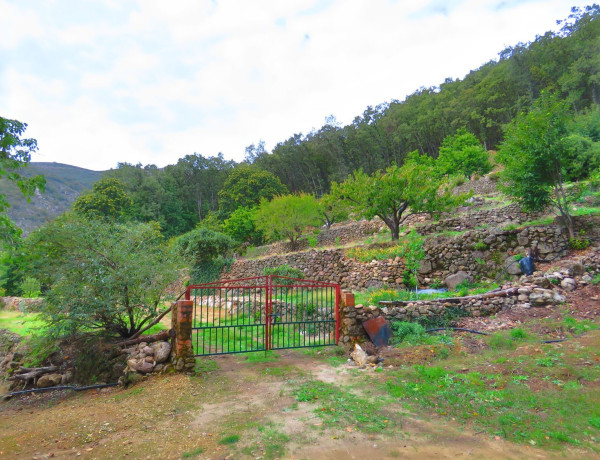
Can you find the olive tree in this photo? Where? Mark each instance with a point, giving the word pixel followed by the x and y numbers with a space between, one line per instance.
pixel 100 275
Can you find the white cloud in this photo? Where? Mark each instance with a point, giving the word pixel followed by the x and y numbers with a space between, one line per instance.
pixel 150 81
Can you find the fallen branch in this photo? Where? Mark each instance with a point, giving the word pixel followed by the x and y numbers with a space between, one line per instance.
pixel 31 373
pixel 488 295
pixel 162 335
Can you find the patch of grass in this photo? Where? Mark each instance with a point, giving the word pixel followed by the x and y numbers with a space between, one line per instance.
pixel 541 221
pixel 337 406
pixel 259 357
pixel 274 442
pixel 193 453
pixel 336 361
pixel 23 324
pixel 232 439
pixel 535 395
pixel 204 365
pixel 578 327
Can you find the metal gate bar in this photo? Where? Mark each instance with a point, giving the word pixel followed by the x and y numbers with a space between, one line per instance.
pixel 263 313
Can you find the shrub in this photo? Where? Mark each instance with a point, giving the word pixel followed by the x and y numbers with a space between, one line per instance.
pixel 30 287
pixel 283 270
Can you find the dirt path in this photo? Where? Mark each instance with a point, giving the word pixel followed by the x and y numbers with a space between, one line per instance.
pixel 235 409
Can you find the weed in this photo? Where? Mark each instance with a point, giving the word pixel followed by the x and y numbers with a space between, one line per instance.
pixel 274 442
pixel 232 439
pixel 266 357
pixel 518 333
pixel 206 365
pixel 193 453
pixel 480 246
pixel 339 407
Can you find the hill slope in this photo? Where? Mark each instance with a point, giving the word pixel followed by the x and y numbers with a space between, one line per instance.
pixel 64 183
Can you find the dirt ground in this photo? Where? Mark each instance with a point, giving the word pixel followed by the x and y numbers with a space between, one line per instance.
pixel 178 416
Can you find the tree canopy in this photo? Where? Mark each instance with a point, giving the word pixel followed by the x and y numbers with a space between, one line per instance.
pixel 100 274
pixel 534 154
pixel 398 192
pixel 15 153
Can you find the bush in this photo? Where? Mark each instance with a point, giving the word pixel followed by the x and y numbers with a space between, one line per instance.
pixel 283 270
pixel 30 287
pixel 203 245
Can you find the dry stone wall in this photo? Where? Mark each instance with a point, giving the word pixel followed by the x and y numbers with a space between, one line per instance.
pixel 538 290
pixel 481 253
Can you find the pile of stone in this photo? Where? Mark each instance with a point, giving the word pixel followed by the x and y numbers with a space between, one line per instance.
pixel 147 358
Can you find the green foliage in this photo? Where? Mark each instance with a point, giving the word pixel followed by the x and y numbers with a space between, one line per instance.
pixel 580 242
pixel 203 245
pixel 413 255
pixel 364 254
pixel 534 155
pixel 207 271
pixel 100 275
pixel 283 270
pixel 108 199
pixel 246 186
pixel 15 153
pixel 31 287
pixel 462 153
pixel 480 246
pixel 332 210
pixel 398 192
pixel 287 216
pixel 241 226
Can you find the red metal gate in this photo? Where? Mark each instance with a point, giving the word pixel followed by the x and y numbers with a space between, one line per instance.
pixel 263 313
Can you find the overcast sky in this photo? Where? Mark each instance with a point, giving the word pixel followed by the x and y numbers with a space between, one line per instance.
pixel 149 81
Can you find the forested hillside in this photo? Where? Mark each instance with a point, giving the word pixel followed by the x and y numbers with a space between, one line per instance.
pixel 566 63
pixel 64 183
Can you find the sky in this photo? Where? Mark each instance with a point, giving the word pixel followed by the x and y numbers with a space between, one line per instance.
pixel 149 81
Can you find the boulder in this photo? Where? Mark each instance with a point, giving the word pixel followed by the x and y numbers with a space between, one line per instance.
pixel 49 380
pixel 143 367
pixel 162 350
pixel 512 266
pixel 458 278
pixel 568 284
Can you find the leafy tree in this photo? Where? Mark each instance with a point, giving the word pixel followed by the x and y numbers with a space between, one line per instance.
pixel 15 153
pixel 241 226
pixel 534 154
pixel 332 210
pixel 203 244
pixel 246 186
pixel 107 199
pixel 205 251
pixel 287 216
pixel 101 274
pixel 398 192
pixel 462 153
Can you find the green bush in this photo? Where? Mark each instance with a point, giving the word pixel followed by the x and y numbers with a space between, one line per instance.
pixel 30 287
pixel 283 270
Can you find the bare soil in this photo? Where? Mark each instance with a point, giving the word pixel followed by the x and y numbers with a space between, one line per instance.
pixel 169 416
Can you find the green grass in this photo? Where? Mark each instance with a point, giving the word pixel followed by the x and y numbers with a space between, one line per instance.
pixel 23 324
pixel 373 296
pixel 193 453
pixel 338 406
pixel 232 439
pixel 537 394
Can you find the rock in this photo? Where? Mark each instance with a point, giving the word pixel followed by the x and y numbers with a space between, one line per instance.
pixel 148 351
pixel 143 367
pixel 359 356
pixel 67 377
pixel 49 380
pixel 162 350
pixel 458 278
pixel 576 270
pixel 587 278
pixel 542 282
pixel 425 267
pixel 568 284
pixel 512 266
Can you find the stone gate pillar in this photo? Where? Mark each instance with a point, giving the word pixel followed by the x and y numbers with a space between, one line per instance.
pixel 181 320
